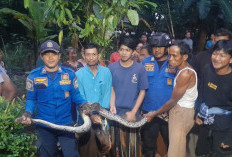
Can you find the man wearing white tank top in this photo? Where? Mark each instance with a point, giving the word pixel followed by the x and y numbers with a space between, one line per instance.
pixel 181 103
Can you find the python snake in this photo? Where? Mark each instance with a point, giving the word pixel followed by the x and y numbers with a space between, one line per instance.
pixel 90 107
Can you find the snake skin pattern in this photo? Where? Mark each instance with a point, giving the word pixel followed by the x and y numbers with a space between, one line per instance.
pixel 80 129
pixel 92 107
pixel 107 114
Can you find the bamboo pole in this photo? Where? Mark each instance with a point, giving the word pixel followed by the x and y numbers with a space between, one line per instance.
pixel 170 17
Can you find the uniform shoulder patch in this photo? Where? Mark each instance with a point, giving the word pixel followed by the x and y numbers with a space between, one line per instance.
pixel 29 85
pixel 75 83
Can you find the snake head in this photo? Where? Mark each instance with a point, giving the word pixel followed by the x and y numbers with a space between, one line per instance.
pixel 89 107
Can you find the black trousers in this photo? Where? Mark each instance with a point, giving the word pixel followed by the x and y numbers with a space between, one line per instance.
pixel 47 142
pixel 149 134
pixel 209 141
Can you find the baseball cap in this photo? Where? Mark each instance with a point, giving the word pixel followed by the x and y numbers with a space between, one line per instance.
pixel 49 46
pixel 160 40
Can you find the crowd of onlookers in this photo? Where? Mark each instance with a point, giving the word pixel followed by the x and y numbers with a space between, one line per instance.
pixel 186 98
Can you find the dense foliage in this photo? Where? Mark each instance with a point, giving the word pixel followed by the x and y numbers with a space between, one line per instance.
pixel 15 139
pixel 33 21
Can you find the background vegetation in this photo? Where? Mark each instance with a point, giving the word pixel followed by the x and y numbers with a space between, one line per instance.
pixel 25 24
pixel 15 139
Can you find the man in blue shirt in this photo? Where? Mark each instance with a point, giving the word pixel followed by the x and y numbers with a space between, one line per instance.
pixel 160 78
pixel 51 89
pixel 129 82
pixel 94 83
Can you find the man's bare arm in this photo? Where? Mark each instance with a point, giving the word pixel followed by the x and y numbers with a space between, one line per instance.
pixel 112 101
pixel 182 84
pixel 130 116
pixel 139 101
pixel 8 89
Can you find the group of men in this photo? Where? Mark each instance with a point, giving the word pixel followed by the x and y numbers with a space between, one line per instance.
pixel 165 83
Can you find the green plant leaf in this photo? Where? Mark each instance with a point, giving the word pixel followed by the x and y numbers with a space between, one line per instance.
pixel 115 1
pixel 123 2
pixel 91 29
pixel 62 15
pixel 151 3
pixel 49 2
pixel 115 21
pixel 87 29
pixel 146 23
pixel 36 11
pixel 97 11
pixel 135 5
pixel 133 17
pixel 108 11
pixel 16 14
pixel 68 12
pixel 26 24
pixel 59 22
pixel 60 36
pixel 26 3
pixel 65 21
pixel 226 9
pixel 57 13
pixel 51 37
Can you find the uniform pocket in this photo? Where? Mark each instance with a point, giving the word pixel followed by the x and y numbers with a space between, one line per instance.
pixel 169 78
pixel 43 94
pixel 66 91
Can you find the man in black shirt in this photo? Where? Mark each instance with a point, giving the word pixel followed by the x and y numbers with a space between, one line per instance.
pixel 202 59
pixel 215 111
pixel 198 62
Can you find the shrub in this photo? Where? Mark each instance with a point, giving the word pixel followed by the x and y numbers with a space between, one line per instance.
pixel 15 139
pixel 17 57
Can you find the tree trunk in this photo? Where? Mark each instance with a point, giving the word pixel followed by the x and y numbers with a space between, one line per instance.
pixel 35 47
pixel 201 42
pixel 170 18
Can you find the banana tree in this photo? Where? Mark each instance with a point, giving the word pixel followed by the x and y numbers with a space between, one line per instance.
pixel 35 23
pixel 95 20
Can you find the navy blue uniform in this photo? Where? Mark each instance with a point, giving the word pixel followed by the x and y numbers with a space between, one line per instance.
pixel 51 94
pixel 159 92
pixel 160 84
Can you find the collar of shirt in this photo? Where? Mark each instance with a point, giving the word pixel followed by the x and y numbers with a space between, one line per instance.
pixel 152 59
pixel 99 68
pixel 43 71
